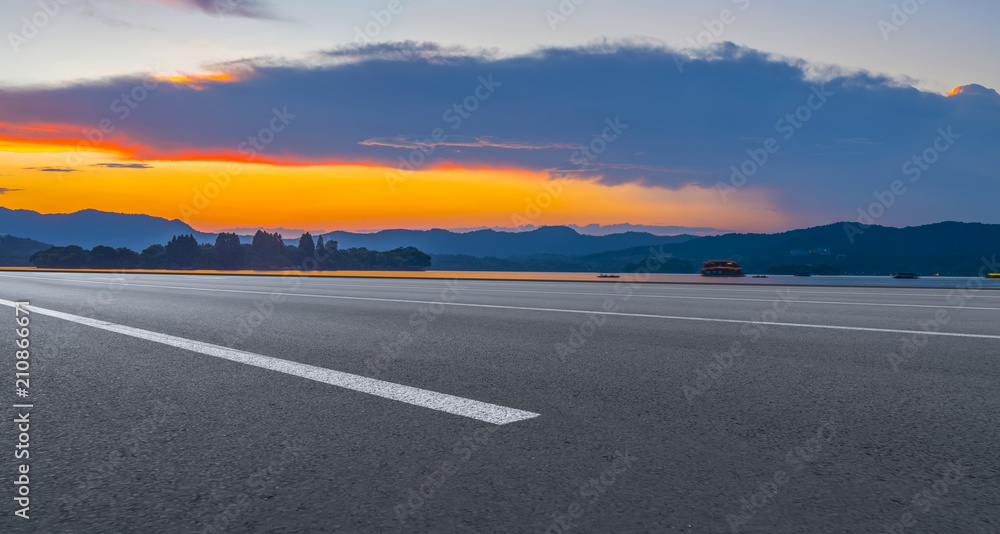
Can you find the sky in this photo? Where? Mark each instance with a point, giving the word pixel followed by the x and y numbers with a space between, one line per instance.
pixel 744 115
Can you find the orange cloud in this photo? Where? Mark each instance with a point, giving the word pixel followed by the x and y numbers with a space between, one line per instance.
pixel 13 144
pixel 59 138
pixel 199 81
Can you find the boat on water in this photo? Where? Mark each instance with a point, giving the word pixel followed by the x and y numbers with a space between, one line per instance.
pixel 608 276
pixel 905 276
pixel 760 276
pixel 721 268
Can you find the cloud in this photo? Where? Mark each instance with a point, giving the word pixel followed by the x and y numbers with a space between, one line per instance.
pixel 463 141
pixel 974 90
pixel 4 190
pixel 616 113
pixel 254 9
pixel 50 169
pixel 123 165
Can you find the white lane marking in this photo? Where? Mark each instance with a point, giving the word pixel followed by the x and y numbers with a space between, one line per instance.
pixel 764 288
pixel 559 310
pixel 984 292
pixel 689 297
pixel 635 295
pixel 483 411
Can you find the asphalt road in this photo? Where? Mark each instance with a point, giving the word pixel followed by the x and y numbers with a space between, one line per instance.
pixel 239 404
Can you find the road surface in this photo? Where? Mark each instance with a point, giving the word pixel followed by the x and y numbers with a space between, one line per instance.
pixel 170 403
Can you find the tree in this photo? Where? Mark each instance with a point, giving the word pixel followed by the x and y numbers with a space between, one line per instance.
pixel 102 257
pixel 331 254
pixel 154 257
pixel 229 251
pixel 60 257
pixel 307 248
pixel 268 250
pixel 408 258
pixel 128 258
pixel 326 253
pixel 183 252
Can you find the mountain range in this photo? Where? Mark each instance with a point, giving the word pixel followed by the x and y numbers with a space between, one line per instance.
pixel 89 228
pixel 15 251
pixel 946 248
pixel 952 248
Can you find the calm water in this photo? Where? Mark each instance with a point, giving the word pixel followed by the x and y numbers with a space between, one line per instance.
pixel 870 281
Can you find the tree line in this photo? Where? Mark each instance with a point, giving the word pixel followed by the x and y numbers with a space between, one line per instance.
pixel 267 252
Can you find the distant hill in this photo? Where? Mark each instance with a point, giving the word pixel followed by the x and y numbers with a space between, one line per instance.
pixel 15 251
pixel 89 228
pixel 945 248
pixel 946 238
pixel 558 240
pixel 948 248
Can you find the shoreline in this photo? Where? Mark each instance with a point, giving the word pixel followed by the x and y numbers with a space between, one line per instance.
pixel 531 276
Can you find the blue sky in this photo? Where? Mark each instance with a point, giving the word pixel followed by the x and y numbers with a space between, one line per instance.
pixel 942 44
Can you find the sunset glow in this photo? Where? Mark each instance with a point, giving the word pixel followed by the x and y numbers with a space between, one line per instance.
pixel 355 197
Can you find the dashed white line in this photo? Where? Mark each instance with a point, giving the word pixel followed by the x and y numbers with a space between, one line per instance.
pixel 482 411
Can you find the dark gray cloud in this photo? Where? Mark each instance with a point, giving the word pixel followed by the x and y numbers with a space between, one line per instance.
pixel 50 169
pixel 5 190
pixel 255 9
pixel 644 113
pixel 123 165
